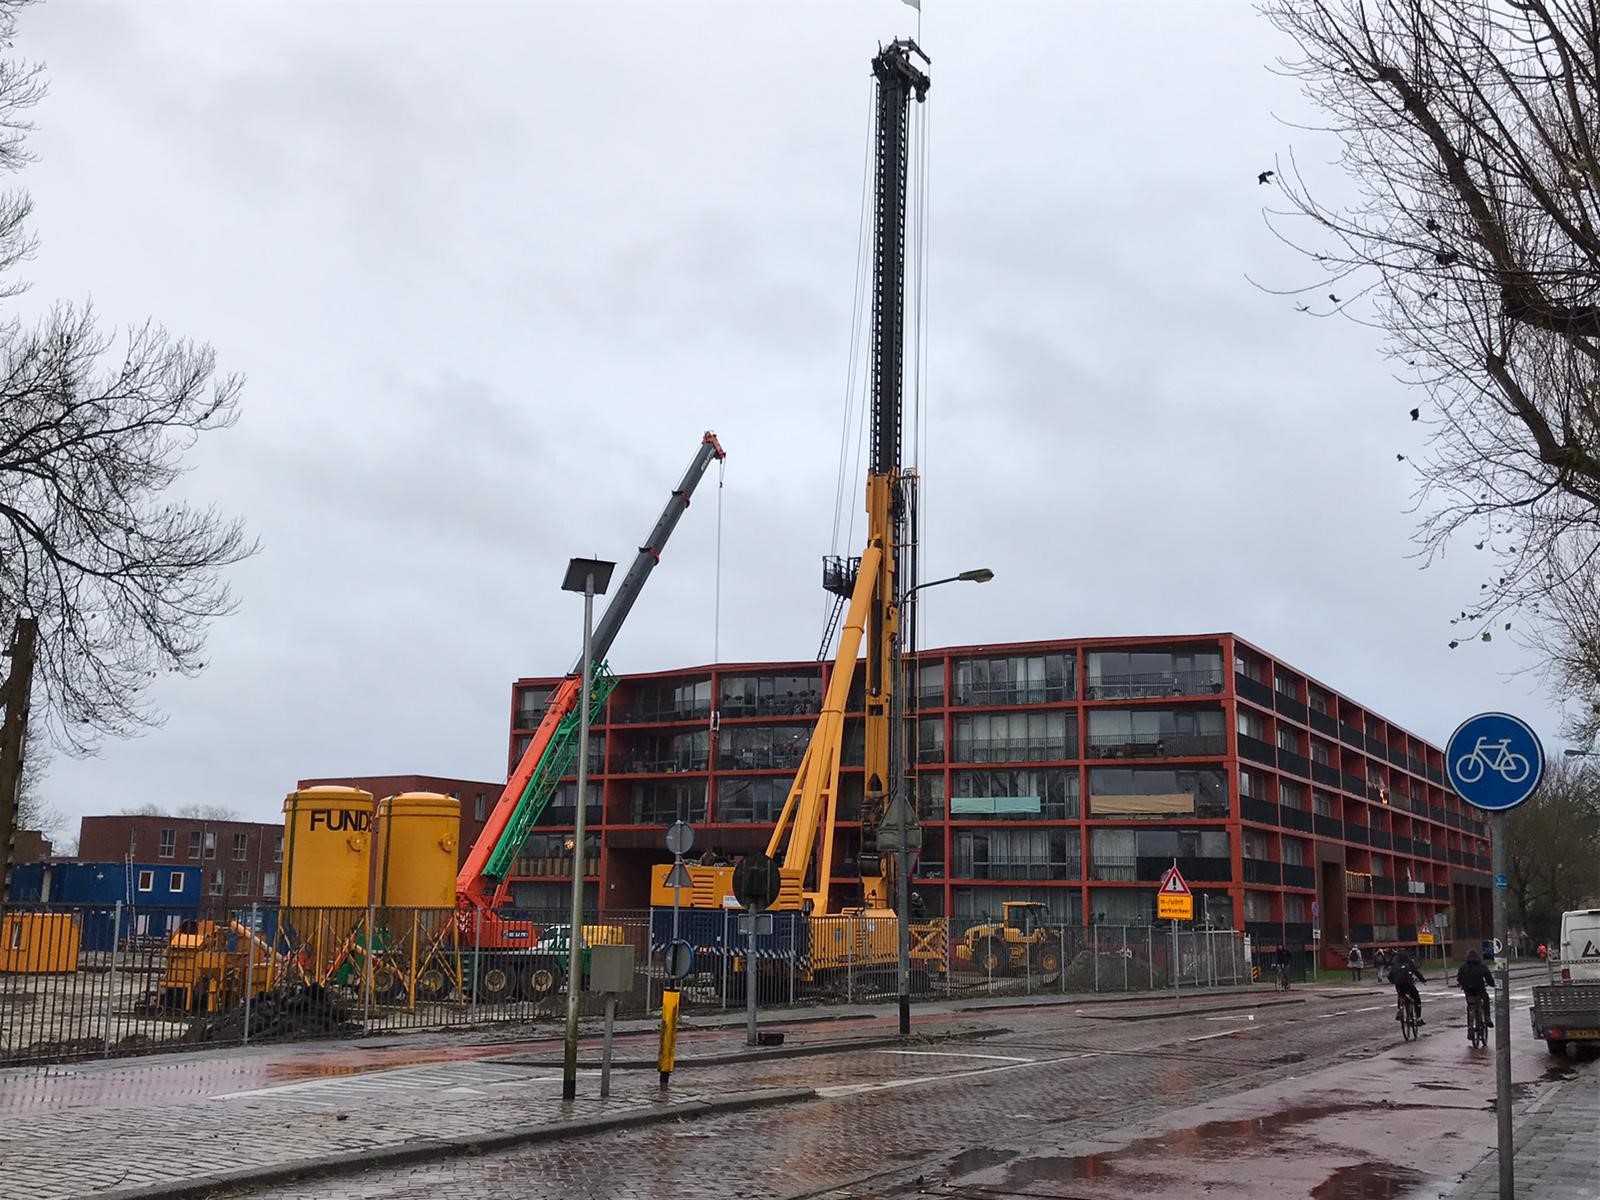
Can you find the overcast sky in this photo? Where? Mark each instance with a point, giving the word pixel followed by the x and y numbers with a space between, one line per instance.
pixel 490 269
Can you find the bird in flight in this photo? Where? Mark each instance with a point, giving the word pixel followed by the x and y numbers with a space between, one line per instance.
pixel 1416 414
pixel 1265 176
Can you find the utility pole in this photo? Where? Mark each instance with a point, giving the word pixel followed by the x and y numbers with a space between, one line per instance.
pixel 15 695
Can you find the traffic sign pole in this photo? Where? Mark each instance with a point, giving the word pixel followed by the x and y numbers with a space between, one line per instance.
pixel 1495 762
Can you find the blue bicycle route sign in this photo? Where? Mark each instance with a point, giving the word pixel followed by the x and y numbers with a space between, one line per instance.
pixel 1495 761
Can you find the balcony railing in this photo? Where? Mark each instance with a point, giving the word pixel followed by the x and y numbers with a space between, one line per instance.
pixel 994 695
pixel 1326 775
pixel 1009 750
pixel 1294 818
pixel 794 704
pixel 1330 827
pixel 1252 690
pixel 1177 745
pixel 1263 812
pixel 1290 707
pixel 1298 876
pixel 1033 871
pixel 1295 764
pixel 774 758
pixel 1323 723
pixel 1351 735
pixel 666 714
pixel 671 765
pixel 1354 832
pixel 1259 871
pixel 1150 686
pixel 1257 751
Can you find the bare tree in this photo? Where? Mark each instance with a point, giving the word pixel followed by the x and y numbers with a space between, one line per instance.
pixel 123 578
pixel 207 812
pixel 1553 849
pixel 1471 131
pixel 34 810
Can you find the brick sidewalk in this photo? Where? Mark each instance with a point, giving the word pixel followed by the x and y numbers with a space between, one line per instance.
pixel 1557 1146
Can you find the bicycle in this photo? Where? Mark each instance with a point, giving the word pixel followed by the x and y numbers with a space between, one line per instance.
pixel 1282 971
pixel 1477 1021
pixel 1410 1017
pixel 1492 756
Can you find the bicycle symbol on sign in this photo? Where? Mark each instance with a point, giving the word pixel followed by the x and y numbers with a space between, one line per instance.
pixel 1496 756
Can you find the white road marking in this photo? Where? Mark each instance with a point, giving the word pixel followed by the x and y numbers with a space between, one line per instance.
pixel 1206 1037
pixel 856 1089
pixel 1014 1058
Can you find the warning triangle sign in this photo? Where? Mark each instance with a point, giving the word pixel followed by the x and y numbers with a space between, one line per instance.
pixel 1172 884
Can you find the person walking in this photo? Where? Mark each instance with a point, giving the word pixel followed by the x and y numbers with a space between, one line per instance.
pixel 1380 964
pixel 1355 964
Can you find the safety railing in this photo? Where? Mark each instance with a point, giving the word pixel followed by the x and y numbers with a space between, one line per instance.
pixel 96 981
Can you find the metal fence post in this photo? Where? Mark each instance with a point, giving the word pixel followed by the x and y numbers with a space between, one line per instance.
pixel 791 960
pixel 111 983
pixel 1094 953
pixel 477 960
pixel 726 953
pixel 850 960
pixel 1062 960
pixel 1150 956
pixel 366 968
pixel 250 972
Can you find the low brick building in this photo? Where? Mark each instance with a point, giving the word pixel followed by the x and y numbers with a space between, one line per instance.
pixel 241 861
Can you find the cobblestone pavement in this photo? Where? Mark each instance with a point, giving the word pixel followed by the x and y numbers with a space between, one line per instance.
pixel 1052 1086
pixel 1558 1146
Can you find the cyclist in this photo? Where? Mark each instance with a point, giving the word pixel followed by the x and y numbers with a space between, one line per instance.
pixel 1476 981
pixel 1404 974
pixel 1280 966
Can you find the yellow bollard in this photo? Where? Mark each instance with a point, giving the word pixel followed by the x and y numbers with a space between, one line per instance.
pixel 669 1033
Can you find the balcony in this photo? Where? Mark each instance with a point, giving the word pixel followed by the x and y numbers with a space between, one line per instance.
pixel 1257 751
pixel 1261 811
pixel 1256 693
pixel 1329 827
pixel 1353 785
pixel 1260 871
pixel 1383 885
pixel 1402 844
pixel 1323 723
pixel 1290 707
pixel 1298 876
pixel 1177 745
pixel 1294 818
pixel 666 714
pixel 1001 695
pixel 1355 832
pixel 1327 775
pixel 1381 839
pixel 1396 757
pixel 677 764
pixel 1149 687
pixel 773 758
pixel 1375 745
pixel 1351 735
pixel 1360 933
pixel 1295 764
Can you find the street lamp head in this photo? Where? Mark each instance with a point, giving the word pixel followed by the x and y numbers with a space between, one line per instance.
pixel 581 571
pixel 979 575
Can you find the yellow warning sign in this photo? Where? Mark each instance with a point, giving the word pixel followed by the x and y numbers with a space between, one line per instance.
pixel 1170 907
pixel 1424 937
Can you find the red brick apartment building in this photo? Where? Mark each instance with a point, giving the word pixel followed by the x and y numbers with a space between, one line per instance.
pixel 241 861
pixel 1071 772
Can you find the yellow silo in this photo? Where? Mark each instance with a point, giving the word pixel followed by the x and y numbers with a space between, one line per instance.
pixel 327 848
pixel 418 834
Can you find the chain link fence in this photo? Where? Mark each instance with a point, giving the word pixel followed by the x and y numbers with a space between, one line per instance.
pixel 90 981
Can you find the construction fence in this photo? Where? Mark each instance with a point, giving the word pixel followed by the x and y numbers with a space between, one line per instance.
pixel 98 981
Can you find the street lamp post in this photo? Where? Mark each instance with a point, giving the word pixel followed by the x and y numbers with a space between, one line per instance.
pixel 903 849
pixel 590 576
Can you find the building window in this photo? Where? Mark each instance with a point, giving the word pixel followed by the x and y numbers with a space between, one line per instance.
pixel 241 847
pixel 930 683
pixel 1122 906
pixel 1290 795
pixel 770 695
pixel 757 800
pixel 1144 855
pixel 1017 854
pixel 749 747
pixel 1321 754
pixel 194 844
pixel 241 883
pixel 1258 906
pixel 1247 665
pixel 531 703
pixel 1155 792
pixel 1021 795
pixel 277 853
pixel 1014 737
pixel 1251 725
pixel 169 843
pixel 1294 908
pixel 1026 679
pixel 1294 852
pixel 1322 804
pixel 211 844
pixel 480 807
pixel 685 700
pixel 930 740
pixel 1288 739
pixel 1250 784
pixel 147 881
pixel 1286 684
pixel 1257 846
pixel 1155 732
pixel 1319 701
pixel 665 801
pixel 175 882
pixel 1137 674
pixel 269 885
pixel 219 882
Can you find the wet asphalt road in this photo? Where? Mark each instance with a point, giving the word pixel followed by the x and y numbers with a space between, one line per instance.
pixel 1315 1098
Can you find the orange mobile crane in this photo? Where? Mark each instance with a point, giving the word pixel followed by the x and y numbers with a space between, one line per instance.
pixel 867 597
pixel 509 959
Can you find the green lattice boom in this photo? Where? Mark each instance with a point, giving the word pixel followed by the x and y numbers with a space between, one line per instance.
pixel 556 761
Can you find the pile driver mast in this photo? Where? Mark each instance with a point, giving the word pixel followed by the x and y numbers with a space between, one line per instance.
pixel 866 587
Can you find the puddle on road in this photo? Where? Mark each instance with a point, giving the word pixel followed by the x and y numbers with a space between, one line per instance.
pixel 979 1158
pixel 1367 1181
pixel 1441 1087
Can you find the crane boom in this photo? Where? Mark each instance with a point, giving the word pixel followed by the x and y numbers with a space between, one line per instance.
pixel 553 746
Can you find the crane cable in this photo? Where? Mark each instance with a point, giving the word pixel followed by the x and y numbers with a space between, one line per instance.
pixel 716 587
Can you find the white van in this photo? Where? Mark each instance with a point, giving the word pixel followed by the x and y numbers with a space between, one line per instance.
pixel 1579 950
